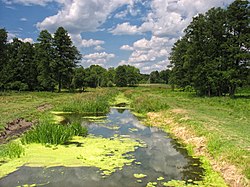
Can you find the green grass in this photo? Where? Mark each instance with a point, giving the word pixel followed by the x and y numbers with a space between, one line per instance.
pixel 15 105
pixel 49 133
pixel 94 101
pixel 225 122
pixel 11 150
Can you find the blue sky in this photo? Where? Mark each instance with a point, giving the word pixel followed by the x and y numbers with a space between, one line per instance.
pixel 108 32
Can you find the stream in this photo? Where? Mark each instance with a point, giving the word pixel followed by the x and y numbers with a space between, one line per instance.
pixel 161 157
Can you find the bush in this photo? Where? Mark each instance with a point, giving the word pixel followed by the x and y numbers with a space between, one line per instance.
pixel 11 150
pixel 47 133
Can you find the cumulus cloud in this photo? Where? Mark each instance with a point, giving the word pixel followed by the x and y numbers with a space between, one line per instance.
pixel 97 58
pixel 79 16
pixel 168 18
pixel 99 48
pixel 149 54
pixel 126 48
pixel 166 22
pixel 13 35
pixel 83 43
pixel 125 29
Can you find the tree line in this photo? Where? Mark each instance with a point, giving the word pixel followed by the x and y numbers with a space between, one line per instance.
pixel 51 64
pixel 213 55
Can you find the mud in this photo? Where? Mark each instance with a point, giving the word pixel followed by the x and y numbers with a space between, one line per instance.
pixel 14 129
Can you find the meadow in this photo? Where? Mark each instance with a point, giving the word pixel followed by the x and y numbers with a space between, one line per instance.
pixel 222 122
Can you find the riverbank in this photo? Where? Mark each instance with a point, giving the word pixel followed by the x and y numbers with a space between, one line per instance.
pixel 215 128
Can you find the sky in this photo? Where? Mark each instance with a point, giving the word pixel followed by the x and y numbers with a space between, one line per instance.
pixel 108 32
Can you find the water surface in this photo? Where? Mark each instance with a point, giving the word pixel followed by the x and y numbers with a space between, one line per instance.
pixel 162 157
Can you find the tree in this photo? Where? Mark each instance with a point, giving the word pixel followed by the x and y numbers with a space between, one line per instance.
pixel 132 74
pixel 164 75
pixel 3 54
pixel 154 77
pixel 44 59
pixel 66 57
pixel 238 43
pixel 213 56
pixel 95 76
pixel 79 78
pixel 121 76
pixel 26 60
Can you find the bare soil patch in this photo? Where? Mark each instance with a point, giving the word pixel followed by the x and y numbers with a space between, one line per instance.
pixel 44 107
pixel 14 129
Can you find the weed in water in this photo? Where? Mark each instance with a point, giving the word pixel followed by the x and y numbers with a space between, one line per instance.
pixel 49 133
pixel 11 150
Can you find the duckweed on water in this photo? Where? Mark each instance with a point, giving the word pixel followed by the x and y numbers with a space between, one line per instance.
pixel 106 154
pixel 139 176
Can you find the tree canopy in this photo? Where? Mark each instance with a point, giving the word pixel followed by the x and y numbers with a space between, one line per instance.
pixel 213 55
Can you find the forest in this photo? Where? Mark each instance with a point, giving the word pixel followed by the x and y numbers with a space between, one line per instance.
pixel 53 63
pixel 212 58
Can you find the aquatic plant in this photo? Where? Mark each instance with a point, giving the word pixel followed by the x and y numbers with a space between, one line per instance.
pixel 107 154
pixel 49 133
pixel 11 150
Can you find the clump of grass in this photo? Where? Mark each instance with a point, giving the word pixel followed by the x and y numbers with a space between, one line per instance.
pixel 149 103
pixel 49 133
pixel 11 150
pixel 78 129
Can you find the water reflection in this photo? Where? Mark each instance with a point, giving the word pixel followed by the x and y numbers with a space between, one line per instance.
pixel 162 157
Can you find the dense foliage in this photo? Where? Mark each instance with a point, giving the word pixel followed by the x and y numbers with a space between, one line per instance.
pixel 213 56
pixel 51 64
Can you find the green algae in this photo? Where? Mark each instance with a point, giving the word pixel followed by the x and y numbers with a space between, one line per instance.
pixel 32 185
pixel 60 112
pixel 151 184
pixel 106 154
pixel 133 129
pixel 121 98
pixel 160 178
pixel 139 176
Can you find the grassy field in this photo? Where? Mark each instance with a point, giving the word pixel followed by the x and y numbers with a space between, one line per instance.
pixel 32 105
pixel 224 122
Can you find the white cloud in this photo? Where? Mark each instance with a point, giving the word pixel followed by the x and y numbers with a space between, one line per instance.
pixel 99 48
pixel 150 54
pixel 28 2
pixel 97 58
pixel 168 18
pixel 83 43
pixel 91 42
pixel 125 29
pixel 79 16
pixel 30 40
pixel 23 19
pixel 126 48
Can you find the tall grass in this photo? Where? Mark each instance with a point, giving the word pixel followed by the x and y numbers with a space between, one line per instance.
pixel 49 133
pixel 146 102
pixel 97 101
pixel 11 150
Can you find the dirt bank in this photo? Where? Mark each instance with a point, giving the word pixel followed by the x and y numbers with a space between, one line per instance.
pixel 14 129
pixel 229 172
